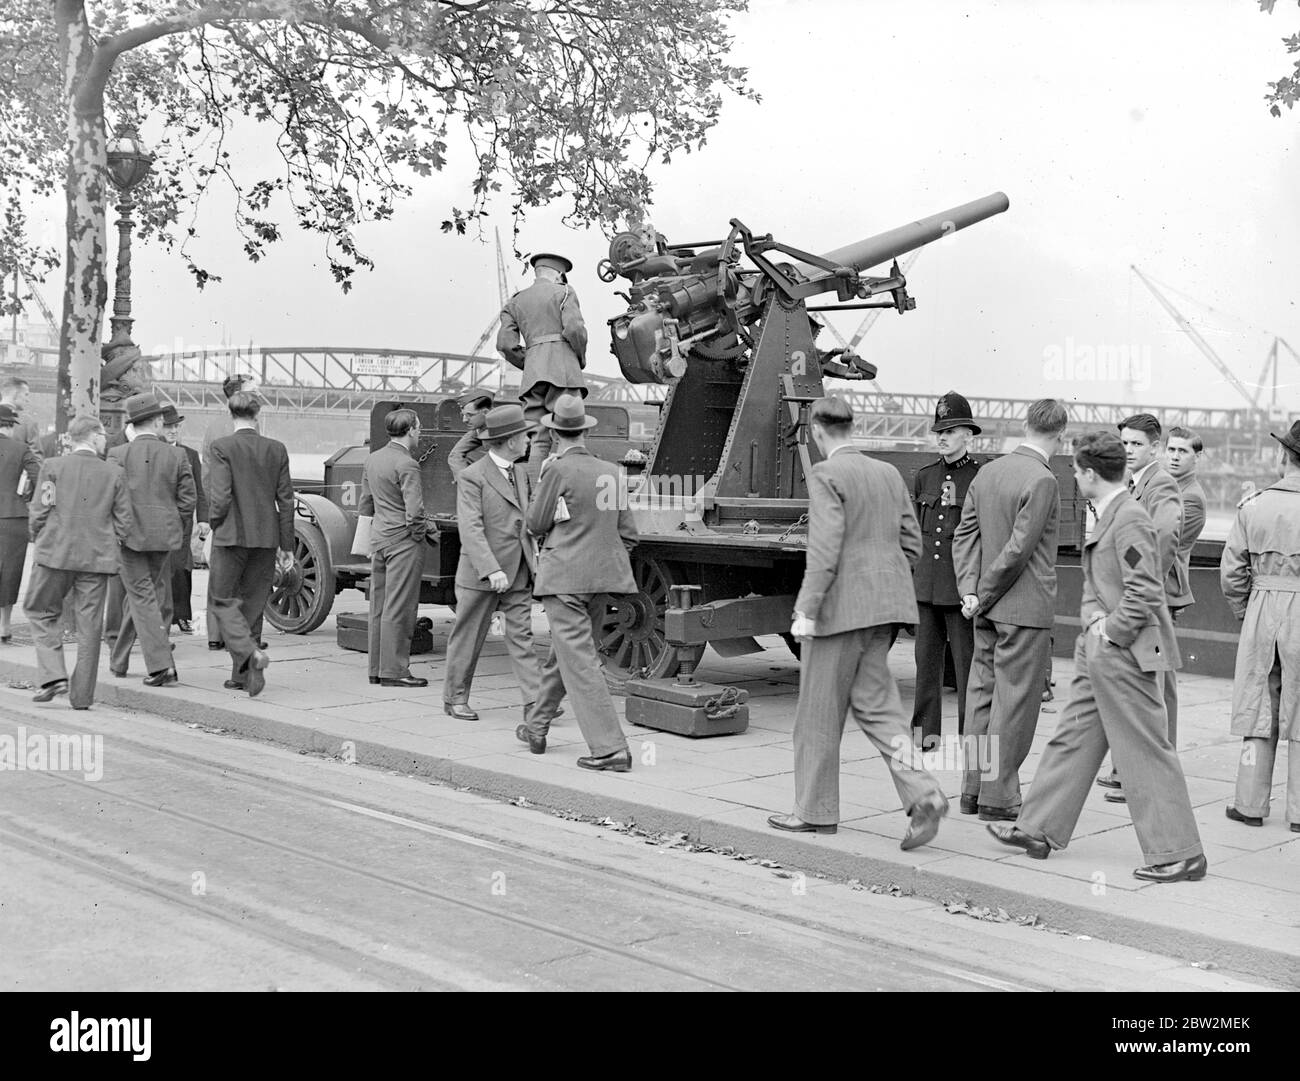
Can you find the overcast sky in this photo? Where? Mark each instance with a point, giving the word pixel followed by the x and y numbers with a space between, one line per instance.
pixel 1123 132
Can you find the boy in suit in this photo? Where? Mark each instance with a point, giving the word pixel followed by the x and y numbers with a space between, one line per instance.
pixel 863 542
pixel 1115 697
pixel 251 510
pixel 78 515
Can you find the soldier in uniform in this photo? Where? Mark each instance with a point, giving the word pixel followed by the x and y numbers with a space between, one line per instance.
pixel 469 448
pixel 939 492
pixel 543 334
pixel 1260 574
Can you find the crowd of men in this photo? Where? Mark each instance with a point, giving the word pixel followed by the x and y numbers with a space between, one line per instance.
pixel 967 559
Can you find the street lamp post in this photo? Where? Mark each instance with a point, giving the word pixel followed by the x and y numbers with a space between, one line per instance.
pixel 128 166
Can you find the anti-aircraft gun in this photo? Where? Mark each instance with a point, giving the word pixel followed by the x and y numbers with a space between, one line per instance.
pixel 722 502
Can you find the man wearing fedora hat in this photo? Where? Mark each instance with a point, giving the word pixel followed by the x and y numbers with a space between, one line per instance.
pixel 161 494
pixel 183 557
pixel 1004 551
pixel 1260 574
pixel 586 537
pixel 939 492
pixel 496 565
pixel 543 334
pixel 469 447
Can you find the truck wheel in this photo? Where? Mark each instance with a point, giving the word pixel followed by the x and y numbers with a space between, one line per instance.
pixel 301 599
pixel 629 630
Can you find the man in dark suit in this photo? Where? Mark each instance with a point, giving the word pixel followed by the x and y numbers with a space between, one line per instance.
pixel 17 392
pixel 392 491
pixel 161 493
pixel 587 532
pixel 1115 696
pixel 252 516
pixel 183 558
pixel 939 492
pixel 78 514
pixel 1158 494
pixel 1005 555
pixel 863 542
pixel 495 571
pixel 543 334
pixel 474 408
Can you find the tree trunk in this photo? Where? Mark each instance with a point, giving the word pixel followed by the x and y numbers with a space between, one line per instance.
pixel 85 293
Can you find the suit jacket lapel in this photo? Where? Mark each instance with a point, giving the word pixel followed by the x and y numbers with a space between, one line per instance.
pixel 1107 517
pixel 499 482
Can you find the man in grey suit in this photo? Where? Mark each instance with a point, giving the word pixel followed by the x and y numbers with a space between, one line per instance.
pixel 495 572
pixel 1005 554
pixel 863 541
pixel 1158 494
pixel 160 490
pixel 1115 696
pixel 393 492
pixel 543 334
pixel 587 531
pixel 78 514
pixel 1183 452
pixel 252 517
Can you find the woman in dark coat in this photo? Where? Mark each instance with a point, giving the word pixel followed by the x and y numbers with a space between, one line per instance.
pixel 18 470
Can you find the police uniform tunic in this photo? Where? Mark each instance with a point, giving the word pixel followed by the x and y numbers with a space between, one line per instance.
pixel 939 492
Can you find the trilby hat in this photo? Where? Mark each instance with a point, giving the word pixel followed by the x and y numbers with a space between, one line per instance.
pixel 141 407
pixel 504 421
pixel 1292 438
pixel 569 415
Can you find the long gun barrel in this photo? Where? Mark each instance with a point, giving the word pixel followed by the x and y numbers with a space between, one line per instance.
pixel 890 245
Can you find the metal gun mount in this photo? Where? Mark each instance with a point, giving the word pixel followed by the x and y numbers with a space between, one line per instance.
pixel 736 344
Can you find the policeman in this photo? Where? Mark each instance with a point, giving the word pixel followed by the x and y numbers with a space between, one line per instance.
pixel 543 334
pixel 939 491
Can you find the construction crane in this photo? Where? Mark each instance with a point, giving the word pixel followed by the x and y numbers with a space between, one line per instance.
pixel 1206 349
pixel 503 287
pixel 1270 361
pixel 45 308
pixel 870 320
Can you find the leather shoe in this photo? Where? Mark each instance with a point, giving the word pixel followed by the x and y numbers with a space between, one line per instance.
pixel 47 693
pixel 185 626
pixel 460 711
pixel 214 646
pixel 924 823
pixel 797 825
pixel 254 679
pixel 1246 820
pixel 619 761
pixel 374 680
pixel 536 744
pixel 998 814
pixel 166 678
pixel 1295 827
pixel 969 804
pixel 1115 795
pixel 234 685
pixel 1193 870
pixel 1110 780
pixel 1009 835
pixel 404 681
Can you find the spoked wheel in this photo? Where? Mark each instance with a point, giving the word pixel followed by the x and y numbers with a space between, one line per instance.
pixel 629 629
pixel 302 597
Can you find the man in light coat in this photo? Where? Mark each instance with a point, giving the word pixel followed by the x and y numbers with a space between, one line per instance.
pixel 543 334
pixel 863 541
pixel 1005 555
pixel 78 515
pixel 586 532
pixel 1115 697
pixel 1260 574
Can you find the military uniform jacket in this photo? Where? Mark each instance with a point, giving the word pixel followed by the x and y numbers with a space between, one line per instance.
pixel 1005 547
pixel 588 553
pixel 543 333
pixel 468 450
pixel 1121 577
pixel 490 518
pixel 1260 575
pixel 160 488
pixel 939 491
pixel 862 544
pixel 79 513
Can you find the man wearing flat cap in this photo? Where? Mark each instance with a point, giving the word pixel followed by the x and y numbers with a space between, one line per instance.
pixel 939 492
pixel 585 537
pixel 496 565
pixel 161 494
pixel 469 447
pixel 1260 574
pixel 543 334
